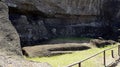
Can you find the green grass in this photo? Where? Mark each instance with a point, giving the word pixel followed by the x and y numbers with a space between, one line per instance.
pixel 66 59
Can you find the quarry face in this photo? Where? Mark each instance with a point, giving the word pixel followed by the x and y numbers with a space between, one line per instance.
pixel 40 20
pixel 30 22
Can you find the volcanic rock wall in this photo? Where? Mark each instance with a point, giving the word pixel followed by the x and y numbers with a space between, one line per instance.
pixel 39 20
pixel 73 7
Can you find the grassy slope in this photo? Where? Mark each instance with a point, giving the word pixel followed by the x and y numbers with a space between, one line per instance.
pixel 66 59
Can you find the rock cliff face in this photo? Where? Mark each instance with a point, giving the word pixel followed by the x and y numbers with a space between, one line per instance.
pixel 39 20
pixel 72 7
pixel 9 39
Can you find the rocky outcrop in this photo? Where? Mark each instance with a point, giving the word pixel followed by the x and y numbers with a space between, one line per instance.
pixel 9 39
pixel 41 20
pixel 10 49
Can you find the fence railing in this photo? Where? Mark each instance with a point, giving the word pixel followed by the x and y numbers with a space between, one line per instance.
pixel 104 57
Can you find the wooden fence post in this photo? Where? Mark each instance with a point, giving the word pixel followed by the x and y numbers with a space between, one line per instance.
pixel 79 65
pixel 112 53
pixel 118 50
pixel 104 58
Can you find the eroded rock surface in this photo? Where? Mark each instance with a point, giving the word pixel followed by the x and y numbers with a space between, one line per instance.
pixel 76 7
pixel 10 49
pixel 9 39
pixel 56 49
pixel 65 18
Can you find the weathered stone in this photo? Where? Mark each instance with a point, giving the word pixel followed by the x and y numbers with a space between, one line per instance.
pixel 49 50
pixel 9 39
pixel 101 43
pixel 76 7
pixel 10 49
